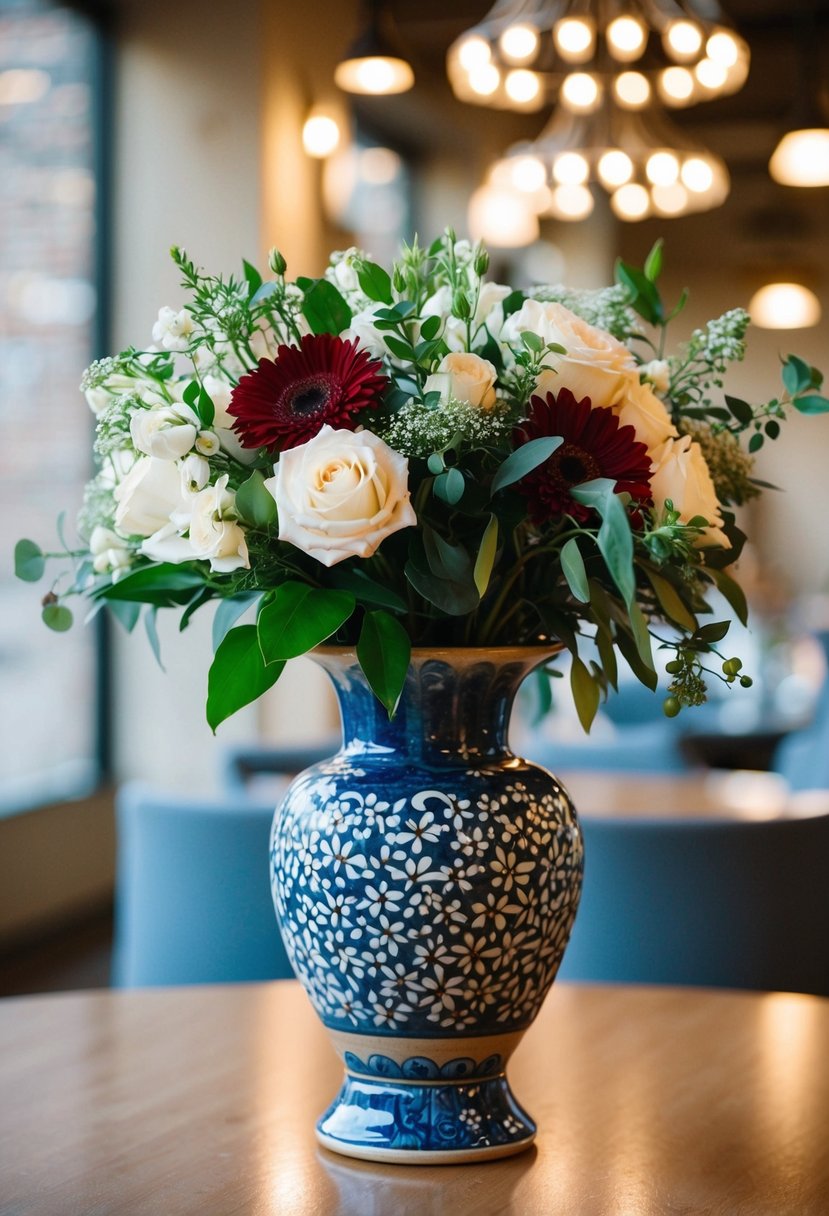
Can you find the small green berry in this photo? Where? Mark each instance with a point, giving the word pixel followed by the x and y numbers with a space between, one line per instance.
pixel 671 707
pixel 746 681
pixel 674 666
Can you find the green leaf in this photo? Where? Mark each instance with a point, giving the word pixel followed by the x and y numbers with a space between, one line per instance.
pixel 151 627
pixel 653 262
pixel 772 428
pixel 252 277
pixel 399 348
pixel 641 635
pixel 811 404
pixel 572 564
pixel 615 540
pixel 524 459
pixel 644 297
pixel 585 693
pixel 755 442
pixel 732 592
pixel 435 463
pixel 298 618
pixel 29 562
pixel 512 303
pixel 715 632
pixel 263 293
pixel 429 328
pixel 57 617
pixel 205 408
pixel 228 613
pixel 671 602
pixel 485 560
pixel 254 501
pixel 126 614
pixel 384 651
pixel 741 410
pixel 191 393
pixel 324 308
pixel 796 375
pixel 453 598
pixel 238 674
pixel 532 341
pixel 607 654
pixel 374 281
pixel 446 561
pixel 645 673
pixel 164 584
pixel 449 486
pixel 365 590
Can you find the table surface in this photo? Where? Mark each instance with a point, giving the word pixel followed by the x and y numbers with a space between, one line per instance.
pixel 202 1100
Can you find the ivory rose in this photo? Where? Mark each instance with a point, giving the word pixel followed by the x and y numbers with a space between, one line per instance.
pixel 147 497
pixel 681 475
pixel 340 494
pixel 215 533
pixel 466 378
pixel 638 406
pixel 162 432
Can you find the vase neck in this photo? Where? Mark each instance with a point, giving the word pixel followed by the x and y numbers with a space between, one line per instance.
pixel 455 702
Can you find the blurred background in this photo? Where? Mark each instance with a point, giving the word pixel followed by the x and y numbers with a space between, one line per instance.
pixel 132 126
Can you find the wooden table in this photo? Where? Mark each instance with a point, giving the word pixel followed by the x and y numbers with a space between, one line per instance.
pixel 649 1102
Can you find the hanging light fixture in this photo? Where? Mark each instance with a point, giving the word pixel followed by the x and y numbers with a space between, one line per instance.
pixel 373 64
pixel 801 158
pixel 784 306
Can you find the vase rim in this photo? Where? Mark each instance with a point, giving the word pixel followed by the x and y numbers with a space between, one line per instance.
pixel 536 650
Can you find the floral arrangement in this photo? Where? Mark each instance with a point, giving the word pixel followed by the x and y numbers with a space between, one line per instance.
pixel 423 458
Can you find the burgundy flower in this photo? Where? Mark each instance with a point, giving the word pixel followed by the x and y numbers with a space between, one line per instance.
pixel 286 400
pixel 595 445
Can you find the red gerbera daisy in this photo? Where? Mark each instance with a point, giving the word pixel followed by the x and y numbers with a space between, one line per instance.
pixel 595 445
pixel 286 400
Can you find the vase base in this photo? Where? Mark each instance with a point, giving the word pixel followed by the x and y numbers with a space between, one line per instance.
pixel 425 1124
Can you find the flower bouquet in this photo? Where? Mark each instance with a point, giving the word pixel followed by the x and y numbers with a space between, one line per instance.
pixel 423 458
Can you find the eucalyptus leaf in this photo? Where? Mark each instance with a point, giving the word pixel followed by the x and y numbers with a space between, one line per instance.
pixel 384 651
pixel 298 618
pixel 449 486
pixel 29 561
pixel 524 459
pixel 57 617
pixel 151 628
pixel 732 592
pixel 126 614
pixel 585 693
pixel 485 560
pixel 715 632
pixel 365 589
pixel 671 602
pixel 572 564
pixel 812 403
pixel 238 674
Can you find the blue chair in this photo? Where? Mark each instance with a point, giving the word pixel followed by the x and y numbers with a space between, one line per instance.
pixel 254 769
pixel 704 902
pixel 193 901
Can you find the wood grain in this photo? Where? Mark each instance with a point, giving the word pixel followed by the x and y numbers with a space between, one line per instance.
pixel 650 1102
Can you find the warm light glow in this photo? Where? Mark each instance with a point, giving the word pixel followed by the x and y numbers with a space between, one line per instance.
pixel 676 85
pixel 697 175
pixel 570 169
pixel 711 75
pixel 630 202
pixel 527 173
pixel 784 306
pixel 662 168
pixel 522 86
pixel 632 90
pixel 615 167
pixel 22 85
pixel 474 52
pixel 626 38
pixel 502 218
pixel 580 91
pixel 484 79
pixel 723 48
pixel 574 39
pixel 802 158
pixel 376 74
pixel 670 200
pixel 320 135
pixel 683 39
pixel 519 43
pixel 379 166
pixel 572 202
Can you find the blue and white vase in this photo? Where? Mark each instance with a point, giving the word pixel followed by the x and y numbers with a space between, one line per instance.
pixel 425 881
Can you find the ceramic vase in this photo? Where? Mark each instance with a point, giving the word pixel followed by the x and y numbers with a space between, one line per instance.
pixel 425 880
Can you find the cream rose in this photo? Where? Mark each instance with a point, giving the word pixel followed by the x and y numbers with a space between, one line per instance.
pixel 638 406
pixel 162 432
pixel 110 552
pixel 340 494
pixel 681 474
pixel 147 497
pixel 462 377
pixel 215 533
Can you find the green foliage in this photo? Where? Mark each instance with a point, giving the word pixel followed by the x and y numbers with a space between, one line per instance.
pixel 323 307
pixel 384 650
pixel 523 460
pixel 255 503
pixel 238 675
pixel 295 618
pixel 29 561
pixel 57 617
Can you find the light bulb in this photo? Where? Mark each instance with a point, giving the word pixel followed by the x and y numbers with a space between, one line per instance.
pixel 580 91
pixel 527 173
pixel 711 75
pixel 473 52
pixel 626 38
pixel 630 202
pixel 502 218
pixel 632 90
pixel 662 168
pixel 670 200
pixel 320 135
pixel 697 175
pixel 519 43
pixel 522 86
pixel 723 48
pixel 376 74
pixel 484 79
pixel 802 158
pixel 784 306
pixel 574 38
pixel 676 85
pixel 379 166
pixel 570 169
pixel 615 167
pixel 571 202
pixel 683 39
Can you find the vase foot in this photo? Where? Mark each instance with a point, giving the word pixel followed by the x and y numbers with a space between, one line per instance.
pixel 425 1124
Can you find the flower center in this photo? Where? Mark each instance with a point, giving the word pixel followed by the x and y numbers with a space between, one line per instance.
pixel 309 396
pixel 570 466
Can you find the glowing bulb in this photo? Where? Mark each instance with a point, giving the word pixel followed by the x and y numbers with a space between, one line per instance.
pixel 527 173
pixel 662 168
pixel 484 79
pixel 519 43
pixel 802 158
pixel 580 91
pixel 615 167
pixel 626 38
pixel 630 202
pixel 502 218
pixel 632 90
pixel 683 39
pixel 320 135
pixel 711 75
pixel 522 86
pixel 474 52
pixel 574 38
pixel 697 175
pixel 676 85
pixel 784 306
pixel 572 202
pixel 570 169
pixel 379 166
pixel 723 48
pixel 670 200
pixel 376 74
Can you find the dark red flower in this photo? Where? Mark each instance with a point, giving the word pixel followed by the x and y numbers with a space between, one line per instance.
pixel 285 401
pixel 595 445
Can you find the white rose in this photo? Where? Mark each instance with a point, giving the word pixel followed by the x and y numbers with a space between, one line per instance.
pixel 173 329
pixel 463 377
pixel 340 494
pixel 638 406
pixel 658 372
pixel 147 497
pixel 488 312
pixel 162 432
pixel 681 474
pixel 215 533
pixel 363 330
pixel 110 553
pixel 195 473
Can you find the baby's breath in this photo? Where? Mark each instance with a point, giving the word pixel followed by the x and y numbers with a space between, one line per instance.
pixel 606 308
pixel 417 430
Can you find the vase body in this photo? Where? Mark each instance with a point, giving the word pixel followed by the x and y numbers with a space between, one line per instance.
pixel 425 880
